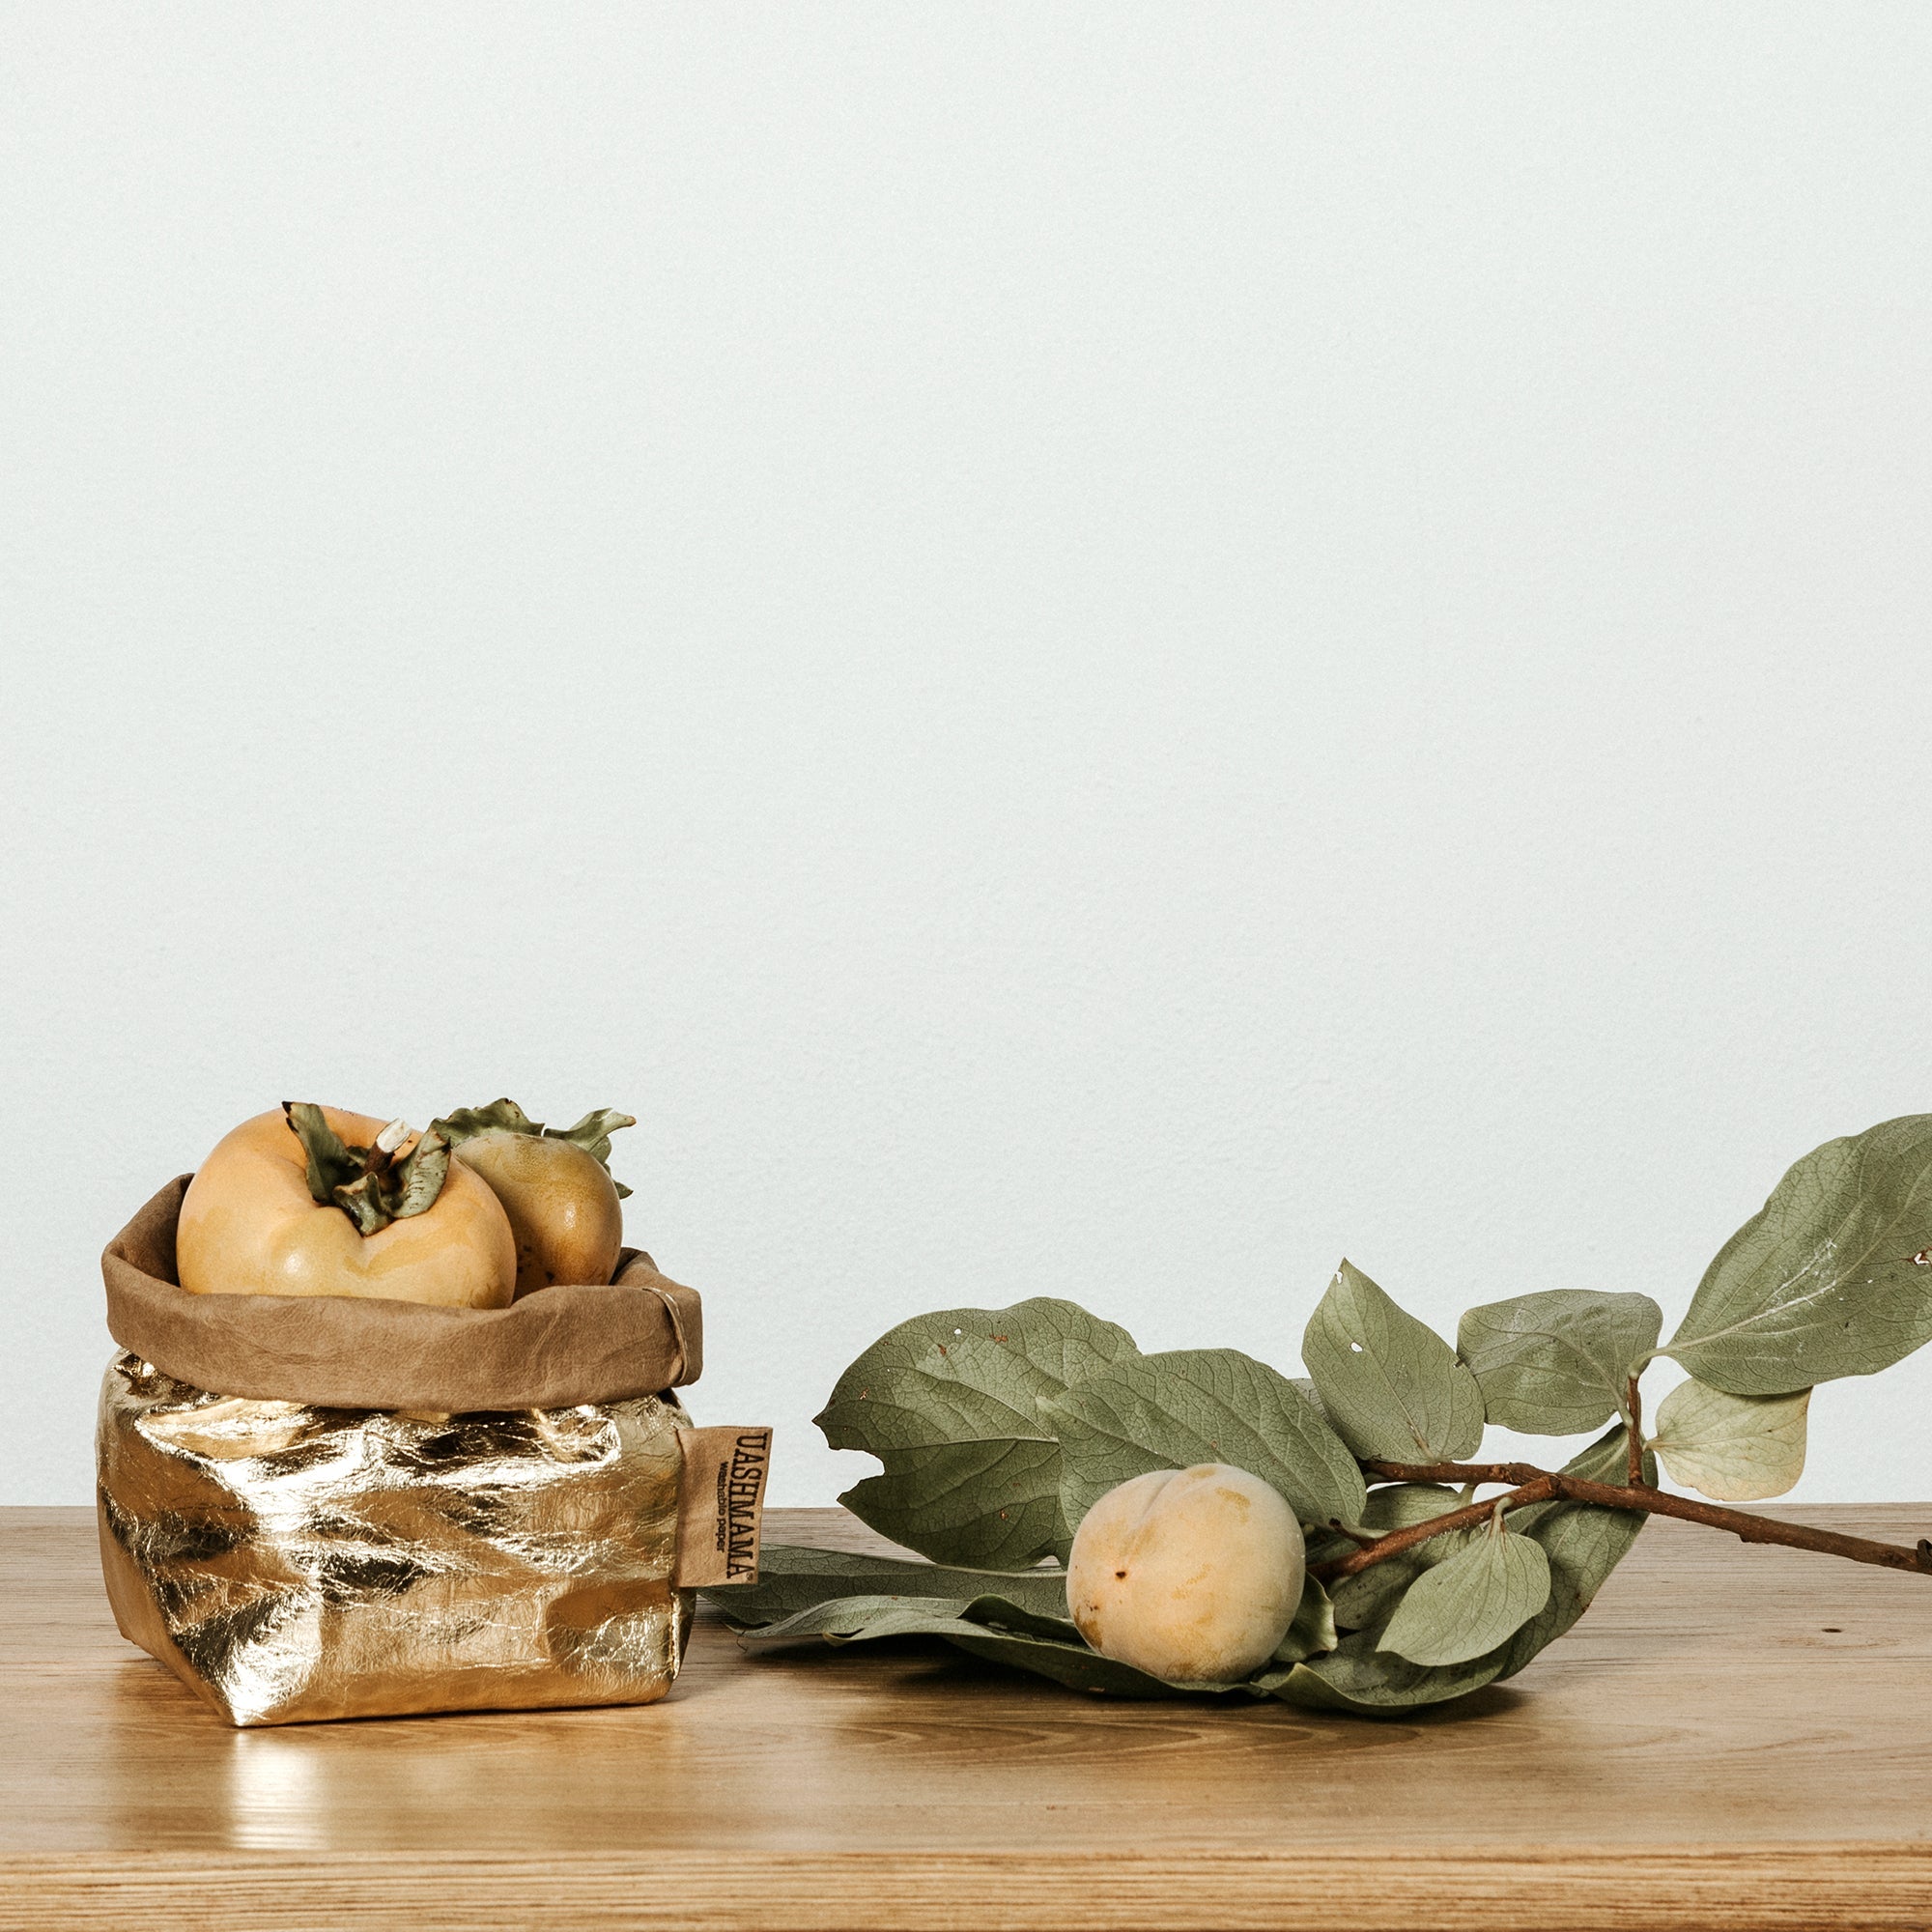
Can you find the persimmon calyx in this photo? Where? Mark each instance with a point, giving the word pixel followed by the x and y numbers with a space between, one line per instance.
pixel 369 1185
pixel 592 1134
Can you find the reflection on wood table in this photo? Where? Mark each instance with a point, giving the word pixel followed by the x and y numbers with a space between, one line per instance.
pixel 1733 1737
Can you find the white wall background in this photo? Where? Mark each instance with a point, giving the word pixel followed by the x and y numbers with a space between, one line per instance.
pixel 1092 650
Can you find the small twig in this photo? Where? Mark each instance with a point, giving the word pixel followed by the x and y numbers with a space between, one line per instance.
pixel 1537 1489
pixel 1530 1485
pixel 1634 1422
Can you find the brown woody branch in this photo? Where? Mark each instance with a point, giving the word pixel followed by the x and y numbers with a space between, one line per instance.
pixel 1530 1485
pixel 1537 1489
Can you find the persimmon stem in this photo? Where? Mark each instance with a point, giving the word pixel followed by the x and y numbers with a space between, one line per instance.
pixel 370 1184
pixel 382 1156
pixel 1530 1485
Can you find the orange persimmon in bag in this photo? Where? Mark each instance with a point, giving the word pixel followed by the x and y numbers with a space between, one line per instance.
pixel 555 1185
pixel 318 1201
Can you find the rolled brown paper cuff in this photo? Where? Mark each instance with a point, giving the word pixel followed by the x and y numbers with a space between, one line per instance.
pixel 637 1334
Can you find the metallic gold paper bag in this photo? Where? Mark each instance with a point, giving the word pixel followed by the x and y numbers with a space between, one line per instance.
pixel 292 1563
pixel 333 1542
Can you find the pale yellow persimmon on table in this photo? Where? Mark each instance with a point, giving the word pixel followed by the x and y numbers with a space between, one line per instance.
pixel 1733 1737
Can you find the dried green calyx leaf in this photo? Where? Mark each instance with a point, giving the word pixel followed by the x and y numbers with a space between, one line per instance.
pixel 420 1177
pixel 369 1185
pixel 592 1134
pixel 499 1116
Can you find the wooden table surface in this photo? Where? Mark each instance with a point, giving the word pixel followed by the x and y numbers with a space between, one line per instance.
pixel 1732 1736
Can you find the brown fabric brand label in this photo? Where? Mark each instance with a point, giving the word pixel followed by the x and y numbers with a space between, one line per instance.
pixel 721 1499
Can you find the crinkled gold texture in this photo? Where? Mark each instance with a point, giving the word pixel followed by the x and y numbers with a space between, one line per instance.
pixel 291 1563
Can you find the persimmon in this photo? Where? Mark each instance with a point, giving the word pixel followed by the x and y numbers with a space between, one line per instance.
pixel 1192 1576
pixel 318 1200
pixel 555 1185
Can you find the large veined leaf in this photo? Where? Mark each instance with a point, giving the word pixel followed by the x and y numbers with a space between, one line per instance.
pixel 1467 1606
pixel 1306 1384
pixel 1557 1363
pixel 995 1502
pixel 853 1619
pixel 1075 1666
pixel 1018 1619
pixel 1390 1384
pixel 1171 1411
pixel 1738 1448
pixel 1356 1676
pixel 1832 1277
pixel 949 1402
pixel 990 1627
pixel 792 1579
pixel 1584 1543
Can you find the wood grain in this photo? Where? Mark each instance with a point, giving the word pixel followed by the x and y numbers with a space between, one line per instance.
pixel 1733 1738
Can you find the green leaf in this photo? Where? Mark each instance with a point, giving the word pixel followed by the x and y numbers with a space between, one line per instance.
pixel 1020 1622
pixel 1313 1397
pixel 1403 1505
pixel 1369 1596
pixel 1738 1448
pixel 1313 1629
pixel 1832 1277
pixel 1464 1608
pixel 1075 1666
pixel 997 1610
pixel 950 1404
pixel 860 1619
pixel 1557 1363
pixel 852 1619
pixel 1584 1543
pixel 1357 1677
pixel 1171 1411
pixel 1392 1386
pixel 792 1579
pixel 995 1502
